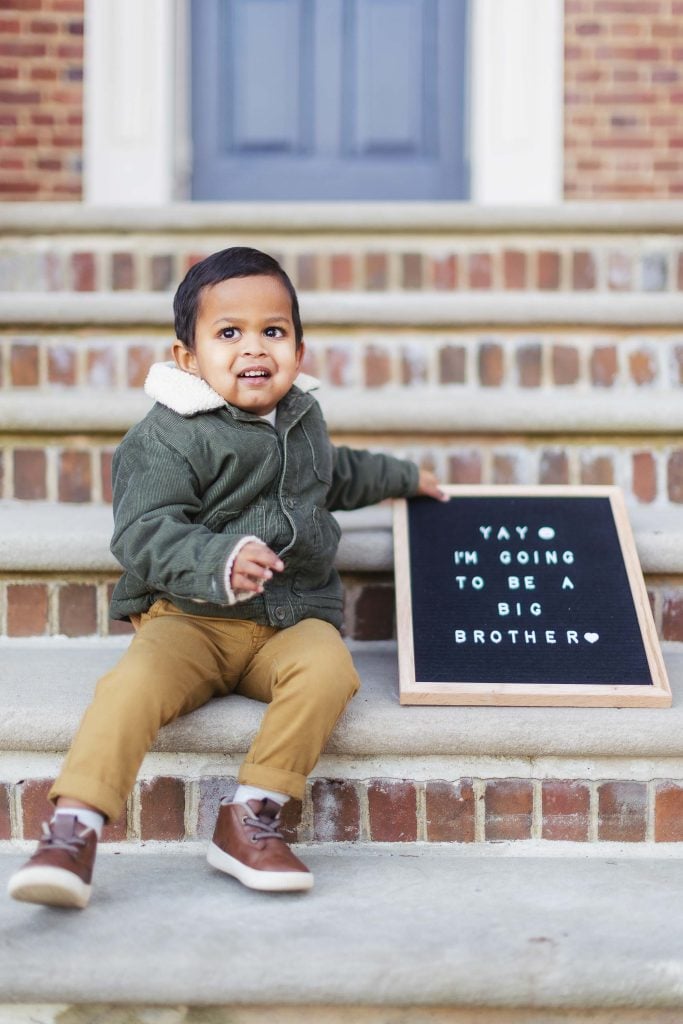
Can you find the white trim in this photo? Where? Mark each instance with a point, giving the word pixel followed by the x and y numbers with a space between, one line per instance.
pixel 517 101
pixel 130 101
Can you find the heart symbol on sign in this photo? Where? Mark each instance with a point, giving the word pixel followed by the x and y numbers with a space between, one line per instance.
pixel 591 637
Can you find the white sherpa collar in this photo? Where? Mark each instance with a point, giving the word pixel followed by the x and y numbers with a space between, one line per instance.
pixel 186 394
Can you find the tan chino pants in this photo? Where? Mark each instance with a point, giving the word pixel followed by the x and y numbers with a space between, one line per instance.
pixel 178 662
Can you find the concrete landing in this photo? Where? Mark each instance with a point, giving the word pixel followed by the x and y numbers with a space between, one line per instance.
pixel 393 927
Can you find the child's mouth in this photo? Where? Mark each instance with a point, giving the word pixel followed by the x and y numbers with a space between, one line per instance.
pixel 254 374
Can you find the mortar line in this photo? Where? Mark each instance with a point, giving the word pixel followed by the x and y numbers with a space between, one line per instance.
pixel 16 815
pixel 593 813
pixel 421 811
pixel 650 792
pixel 479 787
pixel 364 809
pixel 191 807
pixel 537 809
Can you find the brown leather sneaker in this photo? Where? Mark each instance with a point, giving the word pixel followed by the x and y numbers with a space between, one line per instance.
pixel 60 871
pixel 248 845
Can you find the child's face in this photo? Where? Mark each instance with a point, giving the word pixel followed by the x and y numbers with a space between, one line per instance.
pixel 245 347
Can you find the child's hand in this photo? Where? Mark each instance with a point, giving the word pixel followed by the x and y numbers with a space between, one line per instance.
pixel 253 567
pixel 428 486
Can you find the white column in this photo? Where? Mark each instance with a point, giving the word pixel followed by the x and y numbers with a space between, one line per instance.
pixel 517 101
pixel 131 101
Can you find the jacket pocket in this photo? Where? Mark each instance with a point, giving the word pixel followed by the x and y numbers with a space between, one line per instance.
pixel 321 455
pixel 314 579
pixel 251 520
pixel 329 596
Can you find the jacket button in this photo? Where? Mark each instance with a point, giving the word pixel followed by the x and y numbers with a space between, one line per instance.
pixel 280 613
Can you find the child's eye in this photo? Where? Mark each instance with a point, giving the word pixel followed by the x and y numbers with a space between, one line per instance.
pixel 229 333
pixel 274 332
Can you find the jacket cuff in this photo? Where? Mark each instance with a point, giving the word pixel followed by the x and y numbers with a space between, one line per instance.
pixel 414 484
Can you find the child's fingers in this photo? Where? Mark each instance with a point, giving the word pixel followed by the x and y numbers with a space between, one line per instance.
pixel 429 486
pixel 259 554
pixel 254 566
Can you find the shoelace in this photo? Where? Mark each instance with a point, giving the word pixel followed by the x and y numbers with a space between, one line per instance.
pixel 267 829
pixel 71 845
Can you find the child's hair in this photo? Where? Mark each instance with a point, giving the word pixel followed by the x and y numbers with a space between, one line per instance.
pixel 238 261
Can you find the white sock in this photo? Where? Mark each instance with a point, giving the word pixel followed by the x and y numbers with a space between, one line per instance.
pixel 91 819
pixel 244 793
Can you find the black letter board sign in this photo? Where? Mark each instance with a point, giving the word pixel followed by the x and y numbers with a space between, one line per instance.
pixel 511 595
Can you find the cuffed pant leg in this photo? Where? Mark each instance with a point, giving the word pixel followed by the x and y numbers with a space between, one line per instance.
pixel 306 675
pixel 170 668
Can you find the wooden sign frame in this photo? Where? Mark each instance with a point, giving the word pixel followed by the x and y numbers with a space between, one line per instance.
pixel 585 694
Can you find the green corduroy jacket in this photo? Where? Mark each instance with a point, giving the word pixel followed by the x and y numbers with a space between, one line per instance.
pixel 197 475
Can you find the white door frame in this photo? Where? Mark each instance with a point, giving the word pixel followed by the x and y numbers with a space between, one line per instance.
pixel 136 138
pixel 516 109
pixel 137 142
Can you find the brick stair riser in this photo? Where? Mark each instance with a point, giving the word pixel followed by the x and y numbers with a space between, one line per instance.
pixel 456 261
pixel 407 800
pixel 604 359
pixel 76 468
pixel 76 605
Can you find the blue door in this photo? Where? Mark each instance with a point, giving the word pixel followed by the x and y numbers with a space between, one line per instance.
pixel 329 99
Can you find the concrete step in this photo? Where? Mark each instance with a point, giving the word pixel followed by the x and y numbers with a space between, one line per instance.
pixel 438 413
pixel 43 536
pixel 46 686
pixel 389 773
pixel 386 935
pixel 352 308
pixel 450 246
pixel 74 220
pixel 56 570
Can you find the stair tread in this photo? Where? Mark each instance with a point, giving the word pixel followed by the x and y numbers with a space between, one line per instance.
pixel 389 926
pixel 43 536
pixel 421 410
pixel 397 308
pixel 39 219
pixel 45 687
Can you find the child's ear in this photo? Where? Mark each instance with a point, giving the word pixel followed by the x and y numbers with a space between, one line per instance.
pixel 184 358
pixel 300 354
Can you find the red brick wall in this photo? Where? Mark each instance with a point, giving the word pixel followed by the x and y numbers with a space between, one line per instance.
pixel 623 99
pixel 464 810
pixel 41 99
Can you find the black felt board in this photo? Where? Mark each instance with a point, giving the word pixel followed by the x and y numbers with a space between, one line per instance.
pixel 599 609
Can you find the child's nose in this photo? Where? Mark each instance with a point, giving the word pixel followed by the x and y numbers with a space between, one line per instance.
pixel 252 343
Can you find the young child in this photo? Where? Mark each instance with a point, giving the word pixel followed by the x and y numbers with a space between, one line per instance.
pixel 222 508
